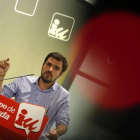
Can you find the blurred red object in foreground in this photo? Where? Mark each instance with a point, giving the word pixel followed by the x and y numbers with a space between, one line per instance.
pixel 113 59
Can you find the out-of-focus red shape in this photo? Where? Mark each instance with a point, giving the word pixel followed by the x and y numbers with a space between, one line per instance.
pixel 113 59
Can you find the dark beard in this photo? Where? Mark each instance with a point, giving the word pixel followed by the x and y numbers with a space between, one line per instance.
pixel 45 80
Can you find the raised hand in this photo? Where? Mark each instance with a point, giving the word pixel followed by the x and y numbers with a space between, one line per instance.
pixel 4 66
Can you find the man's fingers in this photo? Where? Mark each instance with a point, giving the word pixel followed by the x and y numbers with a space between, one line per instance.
pixel 51 133
pixel 2 65
pixel 8 59
pixel 47 134
pixel 5 63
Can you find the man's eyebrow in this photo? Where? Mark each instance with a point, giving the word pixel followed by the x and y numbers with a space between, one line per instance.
pixel 57 66
pixel 49 63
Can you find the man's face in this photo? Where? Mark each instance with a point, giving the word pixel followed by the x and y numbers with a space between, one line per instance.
pixel 51 70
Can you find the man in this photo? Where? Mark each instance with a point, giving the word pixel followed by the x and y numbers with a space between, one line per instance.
pixel 43 91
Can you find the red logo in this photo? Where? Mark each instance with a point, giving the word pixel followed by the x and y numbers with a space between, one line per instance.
pixel 28 119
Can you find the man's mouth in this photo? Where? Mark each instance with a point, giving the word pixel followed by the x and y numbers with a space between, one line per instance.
pixel 47 74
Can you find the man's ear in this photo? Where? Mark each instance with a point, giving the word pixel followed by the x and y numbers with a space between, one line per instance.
pixel 61 74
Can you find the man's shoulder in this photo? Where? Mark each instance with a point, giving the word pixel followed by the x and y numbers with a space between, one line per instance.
pixel 63 90
pixel 30 79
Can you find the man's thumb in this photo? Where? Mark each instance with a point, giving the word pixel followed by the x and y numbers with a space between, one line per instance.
pixel 8 59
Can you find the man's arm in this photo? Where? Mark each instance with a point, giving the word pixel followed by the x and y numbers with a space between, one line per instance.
pixel 55 133
pixel 61 129
pixel 1 82
pixel 62 119
pixel 4 66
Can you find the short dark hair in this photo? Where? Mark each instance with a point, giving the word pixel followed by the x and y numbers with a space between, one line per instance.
pixel 58 57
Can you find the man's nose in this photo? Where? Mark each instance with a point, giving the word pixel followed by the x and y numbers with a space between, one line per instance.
pixel 51 68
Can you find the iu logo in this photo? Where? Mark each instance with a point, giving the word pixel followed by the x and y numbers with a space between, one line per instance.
pixel 61 26
pixel 29 117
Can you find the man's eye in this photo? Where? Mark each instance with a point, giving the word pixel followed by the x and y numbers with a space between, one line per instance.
pixel 57 68
pixel 49 64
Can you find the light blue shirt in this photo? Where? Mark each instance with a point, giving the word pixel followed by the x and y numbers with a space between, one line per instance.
pixel 26 89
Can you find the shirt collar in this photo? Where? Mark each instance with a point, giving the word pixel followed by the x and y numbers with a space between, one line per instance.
pixel 54 86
